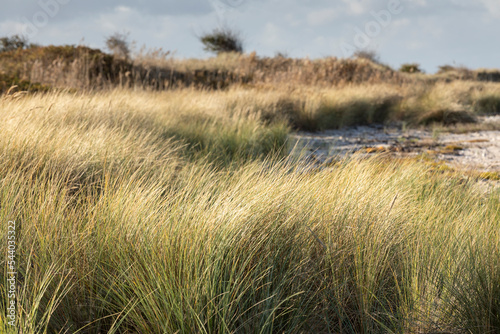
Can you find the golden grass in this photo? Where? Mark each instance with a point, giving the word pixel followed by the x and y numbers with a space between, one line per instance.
pixel 165 212
pixel 454 105
pixel 307 94
pixel 81 67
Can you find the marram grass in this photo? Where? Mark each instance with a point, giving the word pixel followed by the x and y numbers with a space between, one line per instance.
pixel 126 228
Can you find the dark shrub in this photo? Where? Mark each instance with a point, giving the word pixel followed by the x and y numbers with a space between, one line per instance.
pixel 222 40
pixel 13 43
pixel 7 82
pixel 488 75
pixel 446 69
pixel 410 68
pixel 370 55
pixel 488 105
pixel 446 117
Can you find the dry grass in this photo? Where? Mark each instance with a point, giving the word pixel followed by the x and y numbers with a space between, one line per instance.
pixel 129 222
pixel 177 211
pixel 305 94
pixel 81 67
pixel 318 108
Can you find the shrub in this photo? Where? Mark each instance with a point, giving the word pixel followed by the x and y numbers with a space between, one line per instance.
pixel 119 45
pixel 355 111
pixel 410 68
pixel 488 104
pixel 13 43
pixel 222 40
pixel 446 69
pixel 451 73
pixel 8 82
pixel 370 55
pixel 65 66
pixel 488 75
pixel 447 117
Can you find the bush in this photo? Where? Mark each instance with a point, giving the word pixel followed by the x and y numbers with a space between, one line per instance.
pixel 410 68
pixel 8 82
pixel 446 69
pixel 13 43
pixel 222 40
pixel 65 66
pixel 356 111
pixel 370 55
pixel 488 75
pixel 119 45
pixel 446 117
pixel 488 104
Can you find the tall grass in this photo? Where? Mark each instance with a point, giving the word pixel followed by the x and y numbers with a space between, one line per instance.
pixel 135 217
pixel 315 108
pixel 304 94
pixel 80 67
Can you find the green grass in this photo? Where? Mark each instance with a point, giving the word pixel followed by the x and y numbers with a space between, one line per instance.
pixel 176 213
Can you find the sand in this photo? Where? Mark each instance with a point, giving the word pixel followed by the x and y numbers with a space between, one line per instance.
pixel 479 151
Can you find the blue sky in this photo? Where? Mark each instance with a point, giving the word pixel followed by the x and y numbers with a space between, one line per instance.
pixel 429 32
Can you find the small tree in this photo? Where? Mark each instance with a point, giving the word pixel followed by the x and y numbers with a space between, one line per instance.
pixel 370 55
pixel 13 43
pixel 222 40
pixel 119 45
pixel 410 68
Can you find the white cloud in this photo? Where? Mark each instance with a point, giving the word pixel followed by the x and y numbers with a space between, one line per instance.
pixel 321 17
pixel 355 7
pixel 493 6
pixel 10 27
pixel 420 3
pixel 123 9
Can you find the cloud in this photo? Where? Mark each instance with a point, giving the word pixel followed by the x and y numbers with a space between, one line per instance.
pixel 9 27
pixel 493 6
pixel 356 8
pixel 319 17
pixel 71 9
pixel 421 3
pixel 272 36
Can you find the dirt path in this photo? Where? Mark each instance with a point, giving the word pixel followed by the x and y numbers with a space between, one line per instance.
pixel 478 151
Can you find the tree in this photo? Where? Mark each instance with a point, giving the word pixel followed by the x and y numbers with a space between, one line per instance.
pixel 119 45
pixel 222 40
pixel 13 43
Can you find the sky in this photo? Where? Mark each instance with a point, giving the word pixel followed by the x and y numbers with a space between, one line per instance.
pixel 428 32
